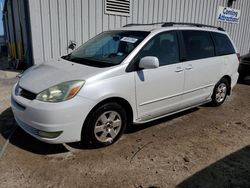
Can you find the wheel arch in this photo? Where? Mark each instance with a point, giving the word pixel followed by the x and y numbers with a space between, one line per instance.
pixel 228 78
pixel 121 101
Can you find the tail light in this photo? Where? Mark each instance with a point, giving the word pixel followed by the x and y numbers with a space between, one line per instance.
pixel 238 55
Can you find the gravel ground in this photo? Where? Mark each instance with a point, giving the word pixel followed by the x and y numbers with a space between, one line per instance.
pixel 202 147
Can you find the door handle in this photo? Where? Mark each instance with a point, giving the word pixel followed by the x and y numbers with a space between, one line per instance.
pixel 189 67
pixel 178 69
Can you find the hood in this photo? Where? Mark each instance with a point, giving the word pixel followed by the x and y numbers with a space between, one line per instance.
pixel 41 77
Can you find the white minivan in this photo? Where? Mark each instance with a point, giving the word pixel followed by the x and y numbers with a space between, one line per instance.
pixel 132 75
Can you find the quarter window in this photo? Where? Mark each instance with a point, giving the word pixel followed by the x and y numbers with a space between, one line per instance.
pixel 163 46
pixel 198 45
pixel 223 45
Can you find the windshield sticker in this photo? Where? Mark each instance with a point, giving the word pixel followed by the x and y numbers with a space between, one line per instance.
pixel 129 39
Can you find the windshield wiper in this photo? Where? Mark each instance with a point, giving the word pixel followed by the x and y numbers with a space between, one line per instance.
pixel 67 57
pixel 88 62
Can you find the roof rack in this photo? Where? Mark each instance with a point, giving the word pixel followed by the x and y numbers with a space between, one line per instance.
pixel 135 24
pixel 168 24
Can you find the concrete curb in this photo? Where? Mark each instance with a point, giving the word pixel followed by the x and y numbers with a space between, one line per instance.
pixel 8 74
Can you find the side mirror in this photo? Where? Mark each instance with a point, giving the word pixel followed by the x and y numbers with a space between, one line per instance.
pixel 149 62
pixel 72 45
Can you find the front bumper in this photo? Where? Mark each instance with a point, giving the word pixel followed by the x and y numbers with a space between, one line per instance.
pixel 36 117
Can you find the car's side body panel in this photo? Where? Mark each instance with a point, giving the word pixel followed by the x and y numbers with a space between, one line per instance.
pixel 110 84
pixel 200 77
pixel 159 91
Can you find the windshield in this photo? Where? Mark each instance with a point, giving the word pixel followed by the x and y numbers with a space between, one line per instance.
pixel 107 49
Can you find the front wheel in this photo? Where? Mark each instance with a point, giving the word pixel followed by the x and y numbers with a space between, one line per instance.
pixel 220 92
pixel 105 125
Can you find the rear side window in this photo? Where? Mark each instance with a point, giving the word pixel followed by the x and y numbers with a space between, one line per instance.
pixel 223 45
pixel 198 45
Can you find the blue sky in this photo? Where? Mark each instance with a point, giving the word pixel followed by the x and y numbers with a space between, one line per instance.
pixel 1 22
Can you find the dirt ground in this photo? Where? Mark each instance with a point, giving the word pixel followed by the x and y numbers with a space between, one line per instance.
pixel 202 147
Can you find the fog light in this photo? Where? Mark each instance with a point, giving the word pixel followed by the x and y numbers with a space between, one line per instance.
pixel 49 134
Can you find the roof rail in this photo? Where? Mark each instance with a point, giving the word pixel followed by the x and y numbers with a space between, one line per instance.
pixel 135 24
pixel 169 24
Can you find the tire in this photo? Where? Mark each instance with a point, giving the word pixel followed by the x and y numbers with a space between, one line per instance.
pixel 105 125
pixel 220 92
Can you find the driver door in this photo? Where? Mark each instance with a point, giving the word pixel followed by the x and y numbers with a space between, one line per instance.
pixel 159 91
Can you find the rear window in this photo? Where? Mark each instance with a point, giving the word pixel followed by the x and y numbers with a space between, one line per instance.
pixel 198 44
pixel 223 45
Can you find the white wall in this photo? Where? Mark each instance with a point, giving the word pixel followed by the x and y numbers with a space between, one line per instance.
pixel 56 22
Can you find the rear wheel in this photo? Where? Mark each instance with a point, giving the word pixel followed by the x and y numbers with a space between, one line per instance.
pixel 220 92
pixel 105 125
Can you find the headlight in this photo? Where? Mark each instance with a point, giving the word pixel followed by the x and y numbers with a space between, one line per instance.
pixel 61 92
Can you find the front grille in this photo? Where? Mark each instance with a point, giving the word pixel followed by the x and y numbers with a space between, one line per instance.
pixel 27 94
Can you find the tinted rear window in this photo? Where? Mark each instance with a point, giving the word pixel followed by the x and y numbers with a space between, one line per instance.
pixel 223 45
pixel 198 44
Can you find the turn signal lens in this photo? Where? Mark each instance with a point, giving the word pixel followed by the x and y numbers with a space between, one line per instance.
pixel 73 91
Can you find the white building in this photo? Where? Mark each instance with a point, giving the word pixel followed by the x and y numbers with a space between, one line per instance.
pixel 39 30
